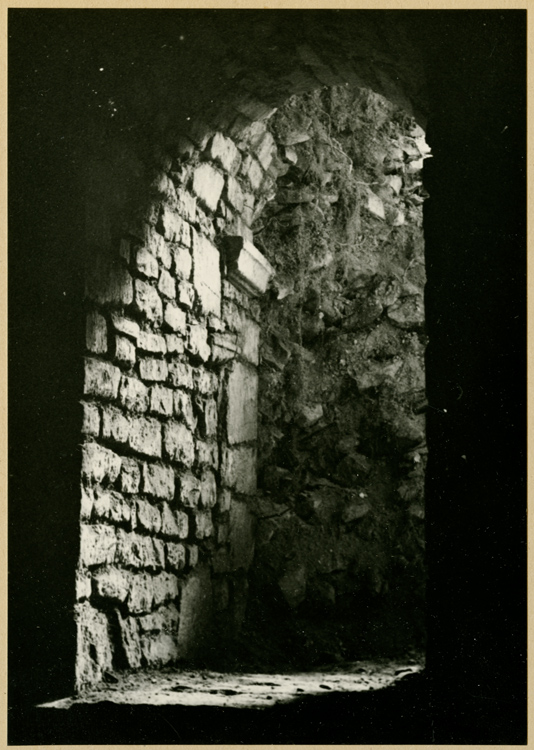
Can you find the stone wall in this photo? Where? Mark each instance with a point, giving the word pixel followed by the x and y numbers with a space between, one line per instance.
pixel 170 406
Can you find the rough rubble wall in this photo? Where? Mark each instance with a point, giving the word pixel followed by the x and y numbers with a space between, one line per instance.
pixel 170 403
pixel 342 451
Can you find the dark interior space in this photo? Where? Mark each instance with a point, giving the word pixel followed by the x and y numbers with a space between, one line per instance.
pixel 473 690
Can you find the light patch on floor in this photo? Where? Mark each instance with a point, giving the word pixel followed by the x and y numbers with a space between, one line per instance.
pixel 241 690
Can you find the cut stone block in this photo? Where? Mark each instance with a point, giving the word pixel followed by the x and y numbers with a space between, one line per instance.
pixel 186 294
pixel 224 152
pixel 148 516
pixel 152 369
pixel 238 469
pixel 158 481
pixel 98 544
pixel 124 351
pixel 161 400
pixel 207 275
pixel 175 555
pixel 130 476
pixel 208 490
pixel 242 404
pixel 175 318
pixel 112 583
pixel 181 374
pixel 91 419
pixel 111 506
pixel 190 490
pixel 207 185
pixel 130 639
pixel 203 524
pixel 95 652
pixel 183 262
pixel 115 425
pixel 223 347
pixel 179 443
pixel 175 344
pixel 152 342
pixel 207 454
pixel 96 333
pixel 145 437
pixel 148 301
pixel 159 649
pixel 246 267
pixel 100 464
pixel 197 341
pixel 133 394
pixel 233 194
pixel 101 379
pixel 167 285
pixel 125 325
pixel 146 264
pixel 183 408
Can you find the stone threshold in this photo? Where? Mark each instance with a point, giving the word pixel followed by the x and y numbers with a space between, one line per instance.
pixel 173 687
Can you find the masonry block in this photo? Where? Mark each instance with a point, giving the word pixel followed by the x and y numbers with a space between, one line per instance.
pixel 96 333
pixel 101 379
pixel 238 469
pixel 145 437
pixel 179 443
pixel 170 224
pixel 83 585
pixel 133 394
pixel 167 285
pixel 197 341
pixel 183 408
pixel 91 419
pixel 246 330
pixel 98 544
pixel 202 524
pixel 165 587
pixel 94 653
pixel 189 490
pixel 186 204
pixel 148 301
pixel 112 583
pixel 207 454
pixel 207 275
pixel 137 551
pixel 109 283
pixel 124 325
pixel 242 404
pixel 141 596
pixel 223 347
pixel 208 489
pixel 152 369
pixel 124 351
pixel 208 417
pixel 115 425
pixel 148 516
pixel 165 618
pixel 111 506
pixel 183 262
pixel 161 400
pixel 156 245
pixel 158 481
pixel 185 294
pixel 181 374
pixel 159 649
pixel 195 611
pixel 146 264
pixel 264 149
pixel 169 525
pixel 224 152
pixel 246 267
pixel 207 185
pixel 233 194
pixel 175 555
pixel 206 382
pixel 175 318
pixel 130 639
pixel 175 344
pixel 99 464
pixel 152 342
pixel 130 476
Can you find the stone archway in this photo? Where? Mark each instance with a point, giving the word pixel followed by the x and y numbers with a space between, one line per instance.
pixel 461 109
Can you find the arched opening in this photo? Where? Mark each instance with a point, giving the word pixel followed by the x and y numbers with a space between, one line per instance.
pixel 154 304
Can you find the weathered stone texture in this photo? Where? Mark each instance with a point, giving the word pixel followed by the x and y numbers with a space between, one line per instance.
pixel 101 379
pixel 96 333
pixel 238 468
pixel 242 402
pixel 179 443
pixel 207 275
pixel 207 185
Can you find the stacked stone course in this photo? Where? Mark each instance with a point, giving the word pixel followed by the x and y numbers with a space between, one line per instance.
pixel 170 410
